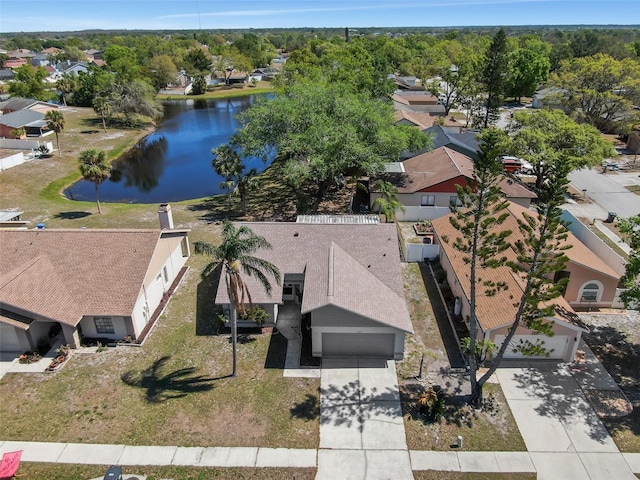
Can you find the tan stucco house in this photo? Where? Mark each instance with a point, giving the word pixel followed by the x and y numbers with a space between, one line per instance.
pixel 344 278
pixel 94 283
pixel 591 284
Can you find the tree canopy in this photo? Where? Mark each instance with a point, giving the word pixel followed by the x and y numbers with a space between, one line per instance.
pixel 325 131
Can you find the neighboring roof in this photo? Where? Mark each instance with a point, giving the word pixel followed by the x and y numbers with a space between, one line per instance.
pixel 17 103
pixel 352 266
pixel 442 165
pixel 8 215
pixel 452 138
pixel 498 310
pixel 415 98
pixel 421 120
pixel 66 274
pixel 21 118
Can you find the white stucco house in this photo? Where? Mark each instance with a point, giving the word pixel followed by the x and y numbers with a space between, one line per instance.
pixel 344 278
pixel 86 282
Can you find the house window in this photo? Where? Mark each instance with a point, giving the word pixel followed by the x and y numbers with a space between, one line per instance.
pixel 158 278
pixel 428 200
pixel 166 275
pixel 561 276
pixel 591 292
pixel 455 201
pixel 104 325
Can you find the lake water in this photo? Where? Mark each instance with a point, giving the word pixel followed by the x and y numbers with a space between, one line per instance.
pixel 175 162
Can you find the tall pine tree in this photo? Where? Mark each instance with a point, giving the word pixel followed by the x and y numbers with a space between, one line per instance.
pixel 493 75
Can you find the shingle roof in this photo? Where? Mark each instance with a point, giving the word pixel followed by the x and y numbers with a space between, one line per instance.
pixel 450 137
pixel 16 103
pixel 355 267
pixel 444 164
pixel 20 118
pixel 499 310
pixel 65 274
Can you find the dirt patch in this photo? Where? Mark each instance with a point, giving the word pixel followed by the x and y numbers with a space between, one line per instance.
pixel 609 403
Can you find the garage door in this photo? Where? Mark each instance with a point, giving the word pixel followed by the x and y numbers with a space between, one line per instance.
pixel 9 341
pixel 378 345
pixel 556 345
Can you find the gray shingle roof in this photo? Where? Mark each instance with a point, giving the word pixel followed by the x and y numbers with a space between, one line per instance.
pixel 20 118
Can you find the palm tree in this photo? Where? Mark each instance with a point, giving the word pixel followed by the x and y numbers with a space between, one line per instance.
pixel 233 255
pixel 102 106
pixel 55 122
pixel 388 201
pixel 95 168
pixel 245 182
pixel 227 164
pixel 66 84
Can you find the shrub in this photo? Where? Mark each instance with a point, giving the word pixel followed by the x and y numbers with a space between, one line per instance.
pixel 432 403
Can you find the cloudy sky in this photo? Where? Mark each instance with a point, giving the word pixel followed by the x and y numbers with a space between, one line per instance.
pixel 66 15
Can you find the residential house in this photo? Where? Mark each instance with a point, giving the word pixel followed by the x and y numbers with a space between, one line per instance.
pixel 417 101
pixel 421 120
pixel 6 75
pixel 344 280
pixel 547 98
pixel 591 284
pixel 15 104
pixel 427 186
pixel 109 284
pixel 31 121
pixel 41 60
pixel 455 138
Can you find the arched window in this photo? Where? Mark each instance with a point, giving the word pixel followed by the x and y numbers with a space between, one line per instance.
pixel 591 291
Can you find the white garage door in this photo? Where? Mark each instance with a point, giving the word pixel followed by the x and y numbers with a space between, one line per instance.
pixel 556 345
pixel 9 341
pixel 376 345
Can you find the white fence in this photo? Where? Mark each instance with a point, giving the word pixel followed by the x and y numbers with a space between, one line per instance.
pixel 595 244
pixel 417 214
pixel 13 160
pixel 417 252
pixel 17 144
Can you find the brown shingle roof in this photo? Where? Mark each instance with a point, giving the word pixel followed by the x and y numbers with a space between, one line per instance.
pixel 65 274
pixel 355 267
pixel 499 309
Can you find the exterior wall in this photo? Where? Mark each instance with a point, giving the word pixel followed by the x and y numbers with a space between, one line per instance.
pixel 168 255
pixel 14 339
pixel 578 277
pixel 417 252
pixel 331 319
pixel 120 329
pixel 417 214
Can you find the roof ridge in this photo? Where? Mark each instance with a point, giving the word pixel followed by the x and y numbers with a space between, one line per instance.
pixel 330 271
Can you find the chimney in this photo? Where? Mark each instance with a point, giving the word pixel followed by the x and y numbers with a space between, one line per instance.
pixel 165 216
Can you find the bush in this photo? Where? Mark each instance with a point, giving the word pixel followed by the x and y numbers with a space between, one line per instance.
pixel 432 403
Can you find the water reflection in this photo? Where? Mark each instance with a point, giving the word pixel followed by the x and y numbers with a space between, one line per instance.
pixel 142 166
pixel 173 163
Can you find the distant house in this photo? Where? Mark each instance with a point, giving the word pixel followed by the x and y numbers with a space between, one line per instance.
pixel 428 185
pixel 547 98
pixel 342 281
pixel 592 284
pixel 417 101
pixel 454 138
pixel 416 119
pixel 116 284
pixel 267 73
pixel 6 75
pixel 15 104
pixel 40 60
pixel 32 122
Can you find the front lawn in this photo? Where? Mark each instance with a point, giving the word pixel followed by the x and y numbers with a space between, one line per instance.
pixel 176 392
pixel 482 431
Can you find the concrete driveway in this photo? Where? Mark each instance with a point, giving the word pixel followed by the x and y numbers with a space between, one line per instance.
pixel 609 190
pixel 361 428
pixel 565 438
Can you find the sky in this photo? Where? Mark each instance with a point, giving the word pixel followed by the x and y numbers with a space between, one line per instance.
pixel 74 15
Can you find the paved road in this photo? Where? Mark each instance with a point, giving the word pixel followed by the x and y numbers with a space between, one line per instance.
pixel 608 190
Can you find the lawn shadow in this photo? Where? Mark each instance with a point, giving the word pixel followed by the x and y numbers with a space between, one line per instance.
pixel 161 387
pixel 207 322
pixel 71 215
pixel 457 410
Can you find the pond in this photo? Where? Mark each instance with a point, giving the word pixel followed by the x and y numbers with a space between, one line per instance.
pixel 174 162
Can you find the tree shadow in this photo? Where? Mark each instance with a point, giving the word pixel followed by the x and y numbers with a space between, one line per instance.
pixel 71 215
pixel 349 405
pixel 161 387
pixel 554 388
pixel 457 409
pixel 207 322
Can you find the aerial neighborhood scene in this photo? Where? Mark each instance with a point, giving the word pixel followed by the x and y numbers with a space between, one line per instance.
pixel 320 240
